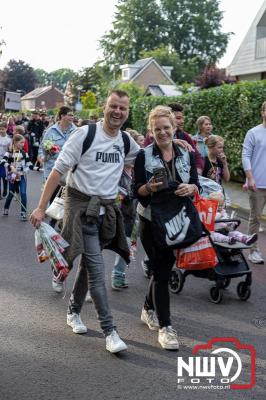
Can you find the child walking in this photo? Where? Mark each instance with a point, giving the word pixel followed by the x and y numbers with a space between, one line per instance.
pixel 17 164
pixel 5 143
pixel 216 167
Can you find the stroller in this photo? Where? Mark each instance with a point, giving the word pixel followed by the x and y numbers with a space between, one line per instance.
pixel 231 262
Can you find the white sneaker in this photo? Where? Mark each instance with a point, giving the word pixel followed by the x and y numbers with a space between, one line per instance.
pixel 58 286
pixel 150 318
pixel 256 257
pixel 168 338
pixel 114 344
pixel 88 297
pixel 76 324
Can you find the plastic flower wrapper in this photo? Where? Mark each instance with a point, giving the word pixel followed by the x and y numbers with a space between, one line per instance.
pixel 50 246
pixel 50 147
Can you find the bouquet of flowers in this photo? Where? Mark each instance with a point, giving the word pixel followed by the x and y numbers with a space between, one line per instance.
pixel 50 148
pixel 50 245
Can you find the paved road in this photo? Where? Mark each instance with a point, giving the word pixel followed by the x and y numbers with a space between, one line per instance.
pixel 41 359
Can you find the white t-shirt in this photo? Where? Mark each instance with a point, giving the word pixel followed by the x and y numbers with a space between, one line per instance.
pixel 5 143
pixel 100 168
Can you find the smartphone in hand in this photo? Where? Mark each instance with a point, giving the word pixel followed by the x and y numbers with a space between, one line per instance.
pixel 160 175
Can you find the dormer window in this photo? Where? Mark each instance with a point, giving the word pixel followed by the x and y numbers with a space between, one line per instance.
pixel 125 74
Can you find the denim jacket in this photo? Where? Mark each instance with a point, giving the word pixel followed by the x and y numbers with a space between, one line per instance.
pixel 200 145
pixel 55 134
pixel 153 161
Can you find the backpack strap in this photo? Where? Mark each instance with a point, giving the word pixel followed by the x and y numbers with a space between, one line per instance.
pixel 126 141
pixel 87 141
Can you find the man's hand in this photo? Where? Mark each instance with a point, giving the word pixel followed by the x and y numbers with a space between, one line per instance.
pixel 37 216
pixel 184 144
pixel 251 184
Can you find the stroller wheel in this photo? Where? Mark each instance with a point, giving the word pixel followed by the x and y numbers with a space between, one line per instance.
pixel 243 291
pixel 227 282
pixel 176 281
pixel 216 295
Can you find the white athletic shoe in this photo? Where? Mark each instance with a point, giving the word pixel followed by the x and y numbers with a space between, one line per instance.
pixel 168 338
pixel 150 318
pixel 58 286
pixel 114 344
pixel 76 324
pixel 256 257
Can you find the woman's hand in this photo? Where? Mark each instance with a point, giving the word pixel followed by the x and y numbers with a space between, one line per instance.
pixel 149 188
pixel 186 189
pixel 184 144
pixel 152 186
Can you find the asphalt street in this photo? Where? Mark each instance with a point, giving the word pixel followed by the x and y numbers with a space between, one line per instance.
pixel 42 359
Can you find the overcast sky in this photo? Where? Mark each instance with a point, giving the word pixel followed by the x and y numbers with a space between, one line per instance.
pixel 53 34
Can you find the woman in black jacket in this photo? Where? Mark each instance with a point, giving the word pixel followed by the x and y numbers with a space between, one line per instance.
pixel 156 166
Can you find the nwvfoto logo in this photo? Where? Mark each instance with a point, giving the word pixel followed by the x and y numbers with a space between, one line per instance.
pixel 223 365
pixel 117 148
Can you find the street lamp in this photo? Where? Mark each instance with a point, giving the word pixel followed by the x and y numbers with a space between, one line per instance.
pixel 78 105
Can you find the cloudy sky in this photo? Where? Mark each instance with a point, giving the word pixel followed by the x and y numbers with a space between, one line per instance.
pixel 52 34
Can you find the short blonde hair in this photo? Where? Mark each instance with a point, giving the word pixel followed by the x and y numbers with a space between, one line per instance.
pixel 20 129
pixel 217 196
pixel 212 141
pixel 200 121
pixel 161 111
pixel 17 138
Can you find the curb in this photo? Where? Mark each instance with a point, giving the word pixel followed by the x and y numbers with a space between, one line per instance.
pixel 244 212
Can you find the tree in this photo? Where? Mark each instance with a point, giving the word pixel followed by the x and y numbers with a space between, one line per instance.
pixel 213 76
pixel 183 71
pixel 190 28
pixel 2 43
pixel 43 78
pixel 61 76
pixel 137 26
pixel 88 100
pixel 98 79
pixel 194 29
pixel 20 76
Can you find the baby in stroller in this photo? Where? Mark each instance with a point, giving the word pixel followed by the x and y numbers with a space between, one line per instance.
pixel 225 231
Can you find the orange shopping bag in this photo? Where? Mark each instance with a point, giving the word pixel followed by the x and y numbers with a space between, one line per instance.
pixel 200 255
pixel 207 211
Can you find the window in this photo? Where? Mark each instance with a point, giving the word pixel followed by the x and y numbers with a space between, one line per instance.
pixel 125 73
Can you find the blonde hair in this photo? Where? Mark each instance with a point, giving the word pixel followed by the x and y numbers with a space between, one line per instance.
pixel 161 111
pixel 19 129
pixel 217 196
pixel 212 141
pixel 200 121
pixel 17 138
pixel 263 107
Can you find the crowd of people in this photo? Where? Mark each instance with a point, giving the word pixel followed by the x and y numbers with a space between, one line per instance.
pixel 113 179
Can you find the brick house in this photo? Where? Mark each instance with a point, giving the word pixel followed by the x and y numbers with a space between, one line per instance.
pixel 249 62
pixel 45 97
pixel 147 72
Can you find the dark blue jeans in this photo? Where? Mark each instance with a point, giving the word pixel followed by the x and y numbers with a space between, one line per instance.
pixel 22 185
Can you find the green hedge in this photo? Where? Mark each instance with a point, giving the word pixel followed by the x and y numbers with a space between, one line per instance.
pixel 233 110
